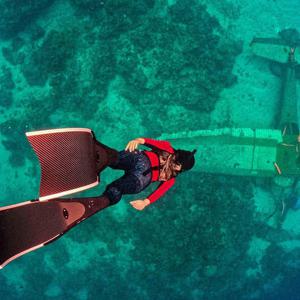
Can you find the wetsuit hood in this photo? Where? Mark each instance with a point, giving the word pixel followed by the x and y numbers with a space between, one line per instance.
pixel 185 158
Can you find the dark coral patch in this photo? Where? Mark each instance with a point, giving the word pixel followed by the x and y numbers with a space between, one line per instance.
pixel 179 58
pixel 13 53
pixel 51 57
pixel 15 15
pixel 6 86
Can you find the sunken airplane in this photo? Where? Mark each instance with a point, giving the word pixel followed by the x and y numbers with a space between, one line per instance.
pixel 247 151
pixel 272 153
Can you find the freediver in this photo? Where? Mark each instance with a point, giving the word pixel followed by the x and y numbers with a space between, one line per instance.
pixel 163 163
pixel 49 219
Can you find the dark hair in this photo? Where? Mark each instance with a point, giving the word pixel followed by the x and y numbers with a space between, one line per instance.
pixel 185 158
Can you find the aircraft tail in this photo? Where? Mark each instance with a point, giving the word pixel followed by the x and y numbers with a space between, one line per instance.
pixel 274 49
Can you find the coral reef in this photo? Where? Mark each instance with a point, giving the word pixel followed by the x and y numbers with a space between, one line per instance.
pixel 114 17
pixel 51 57
pixel 139 68
pixel 35 115
pixel 6 86
pixel 197 243
pixel 178 61
pixel 13 53
pixel 15 15
pixel 181 57
pixel 125 69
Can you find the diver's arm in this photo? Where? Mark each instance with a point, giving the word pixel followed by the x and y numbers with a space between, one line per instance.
pixel 161 190
pixel 158 144
pixel 132 145
pixel 140 204
pixel 151 143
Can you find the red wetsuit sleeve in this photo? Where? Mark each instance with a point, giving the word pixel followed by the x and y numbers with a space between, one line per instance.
pixel 162 145
pixel 161 189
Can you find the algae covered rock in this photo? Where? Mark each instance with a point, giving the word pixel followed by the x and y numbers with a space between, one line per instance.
pixel 35 113
pixel 15 15
pixel 180 57
pixel 6 86
pixel 13 51
pixel 51 57
pixel 114 16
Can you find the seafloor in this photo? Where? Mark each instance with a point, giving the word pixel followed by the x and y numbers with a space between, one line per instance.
pixel 142 68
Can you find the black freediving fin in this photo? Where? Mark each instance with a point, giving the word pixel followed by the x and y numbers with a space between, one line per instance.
pixel 67 159
pixel 30 225
pixel 71 160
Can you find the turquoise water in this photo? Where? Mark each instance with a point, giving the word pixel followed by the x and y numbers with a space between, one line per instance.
pixel 144 68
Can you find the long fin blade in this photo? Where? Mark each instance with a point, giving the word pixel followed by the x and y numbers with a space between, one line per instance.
pixel 27 226
pixel 67 158
pixel 30 225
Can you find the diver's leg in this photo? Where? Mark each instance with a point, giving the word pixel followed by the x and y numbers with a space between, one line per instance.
pixel 127 184
pixel 134 181
pixel 141 169
pixel 105 156
pixel 125 161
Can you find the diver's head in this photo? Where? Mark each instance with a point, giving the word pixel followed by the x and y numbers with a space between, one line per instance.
pixel 184 159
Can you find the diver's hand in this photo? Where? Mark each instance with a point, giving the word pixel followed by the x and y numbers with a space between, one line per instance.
pixel 140 204
pixel 132 145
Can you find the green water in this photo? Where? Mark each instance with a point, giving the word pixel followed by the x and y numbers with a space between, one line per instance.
pixel 144 68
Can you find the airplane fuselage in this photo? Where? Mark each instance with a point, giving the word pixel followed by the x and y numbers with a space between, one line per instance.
pixel 288 112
